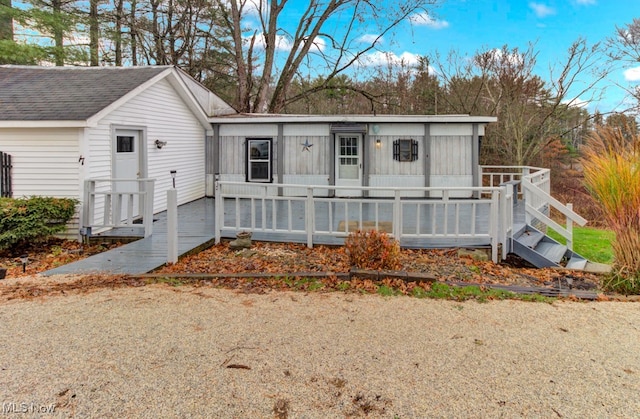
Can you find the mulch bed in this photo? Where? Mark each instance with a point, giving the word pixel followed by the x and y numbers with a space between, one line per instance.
pixel 443 264
pixel 285 266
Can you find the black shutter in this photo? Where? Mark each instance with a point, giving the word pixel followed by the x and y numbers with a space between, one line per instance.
pixel 396 150
pixel 414 150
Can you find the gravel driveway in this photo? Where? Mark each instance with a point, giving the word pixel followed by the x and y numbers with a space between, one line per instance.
pixel 159 351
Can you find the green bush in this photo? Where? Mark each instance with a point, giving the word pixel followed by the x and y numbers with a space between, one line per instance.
pixel 29 220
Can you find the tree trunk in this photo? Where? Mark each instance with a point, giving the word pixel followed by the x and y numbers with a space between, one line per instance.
pixel 94 33
pixel 6 22
pixel 58 33
pixel 118 31
pixel 134 34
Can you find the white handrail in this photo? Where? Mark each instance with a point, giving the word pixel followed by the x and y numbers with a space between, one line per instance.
pixel 310 216
pixel 536 193
pixel 116 203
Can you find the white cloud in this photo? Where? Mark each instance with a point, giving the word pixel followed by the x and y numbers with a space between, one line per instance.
pixel 282 42
pixel 586 2
pixel 577 103
pixel 380 58
pixel 319 45
pixel 542 10
pixel 370 38
pixel 423 19
pixel 632 74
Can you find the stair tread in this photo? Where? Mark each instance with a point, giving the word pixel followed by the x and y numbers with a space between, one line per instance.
pixel 577 262
pixel 552 251
pixel 530 238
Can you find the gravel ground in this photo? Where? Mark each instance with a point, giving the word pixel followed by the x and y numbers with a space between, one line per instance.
pixel 159 351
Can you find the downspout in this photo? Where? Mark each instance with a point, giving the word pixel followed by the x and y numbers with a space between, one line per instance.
pixel 212 160
pixel 427 158
pixel 280 157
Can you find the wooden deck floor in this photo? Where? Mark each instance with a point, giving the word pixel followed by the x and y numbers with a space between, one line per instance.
pixel 195 228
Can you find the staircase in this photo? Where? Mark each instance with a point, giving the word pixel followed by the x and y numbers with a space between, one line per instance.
pixel 543 252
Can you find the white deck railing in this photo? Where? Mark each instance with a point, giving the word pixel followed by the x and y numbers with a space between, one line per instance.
pixel 486 220
pixel 105 206
pixel 535 191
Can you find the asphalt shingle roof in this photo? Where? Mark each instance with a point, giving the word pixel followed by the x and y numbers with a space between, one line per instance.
pixel 65 93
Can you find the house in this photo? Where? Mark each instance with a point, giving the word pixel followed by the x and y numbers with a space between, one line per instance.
pixel 66 125
pixel 348 151
pixel 117 138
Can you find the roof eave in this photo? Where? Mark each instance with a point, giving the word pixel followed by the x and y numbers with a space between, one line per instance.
pixel 262 119
pixel 43 124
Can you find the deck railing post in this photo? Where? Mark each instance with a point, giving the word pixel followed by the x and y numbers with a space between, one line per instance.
pixel 570 229
pixel 219 209
pixel 397 216
pixel 147 216
pixel 494 221
pixel 507 197
pixel 88 203
pixel 310 217
pixel 172 225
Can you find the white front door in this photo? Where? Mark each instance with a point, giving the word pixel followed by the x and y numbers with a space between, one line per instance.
pixel 348 163
pixel 127 166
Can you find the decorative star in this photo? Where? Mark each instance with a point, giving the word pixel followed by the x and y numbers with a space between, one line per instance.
pixel 306 146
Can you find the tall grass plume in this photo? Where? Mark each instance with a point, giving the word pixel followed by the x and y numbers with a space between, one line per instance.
pixel 611 164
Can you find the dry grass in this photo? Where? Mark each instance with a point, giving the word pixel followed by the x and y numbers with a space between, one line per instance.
pixel 611 165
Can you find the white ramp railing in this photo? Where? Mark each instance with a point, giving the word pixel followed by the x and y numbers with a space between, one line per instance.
pixel 110 203
pixel 310 217
pixel 535 191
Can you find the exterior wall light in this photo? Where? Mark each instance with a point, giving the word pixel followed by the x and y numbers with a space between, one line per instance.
pixel 378 143
pixel 160 144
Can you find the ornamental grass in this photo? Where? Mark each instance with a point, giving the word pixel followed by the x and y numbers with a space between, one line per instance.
pixel 611 163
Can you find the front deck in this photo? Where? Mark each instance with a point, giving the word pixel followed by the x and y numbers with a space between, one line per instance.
pixel 488 216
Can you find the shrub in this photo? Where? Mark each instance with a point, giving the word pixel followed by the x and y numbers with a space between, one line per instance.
pixel 612 176
pixel 34 219
pixel 373 249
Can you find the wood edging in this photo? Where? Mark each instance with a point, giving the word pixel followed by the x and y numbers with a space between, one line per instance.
pixel 375 275
pixel 353 273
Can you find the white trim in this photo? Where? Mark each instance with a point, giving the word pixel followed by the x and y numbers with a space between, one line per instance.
pixel 143 161
pixel 43 124
pixel 303 119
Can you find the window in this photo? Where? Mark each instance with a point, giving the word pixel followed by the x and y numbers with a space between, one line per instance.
pixel 405 150
pixel 259 160
pixel 124 144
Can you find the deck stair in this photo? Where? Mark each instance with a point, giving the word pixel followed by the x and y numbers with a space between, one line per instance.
pixel 543 252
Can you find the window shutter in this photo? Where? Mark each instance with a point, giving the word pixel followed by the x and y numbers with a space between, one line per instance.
pixel 414 150
pixel 396 150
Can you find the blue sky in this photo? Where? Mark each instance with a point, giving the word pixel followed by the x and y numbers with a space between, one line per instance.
pixel 552 25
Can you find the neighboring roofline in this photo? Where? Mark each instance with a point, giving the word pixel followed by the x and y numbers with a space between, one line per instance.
pixel 227 109
pixel 302 119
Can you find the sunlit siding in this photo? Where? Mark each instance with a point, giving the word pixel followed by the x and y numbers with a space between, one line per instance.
pixel 162 113
pixel 45 162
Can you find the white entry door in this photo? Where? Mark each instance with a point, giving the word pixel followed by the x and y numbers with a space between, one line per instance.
pixel 348 163
pixel 127 166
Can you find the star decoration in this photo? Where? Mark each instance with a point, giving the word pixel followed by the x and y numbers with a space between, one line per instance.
pixel 306 146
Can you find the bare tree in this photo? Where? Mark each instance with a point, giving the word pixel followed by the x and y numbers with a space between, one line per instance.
pixel 263 83
pixel 531 112
pixel 624 49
